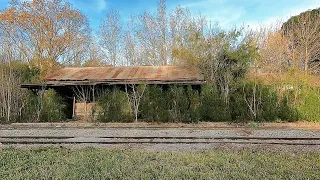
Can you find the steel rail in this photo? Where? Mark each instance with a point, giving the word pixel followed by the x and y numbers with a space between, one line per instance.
pixel 165 137
pixel 158 140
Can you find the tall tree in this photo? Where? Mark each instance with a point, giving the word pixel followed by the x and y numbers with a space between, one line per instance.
pixel 43 31
pixel 304 34
pixel 162 24
pixel 152 35
pixel 130 49
pixel 274 54
pixel 110 36
pixel 186 33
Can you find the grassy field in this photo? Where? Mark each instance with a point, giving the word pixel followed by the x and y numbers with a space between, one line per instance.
pixel 89 163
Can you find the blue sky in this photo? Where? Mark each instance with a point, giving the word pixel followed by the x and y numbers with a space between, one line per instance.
pixel 226 12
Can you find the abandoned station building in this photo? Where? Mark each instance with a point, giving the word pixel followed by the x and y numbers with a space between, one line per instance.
pixel 72 83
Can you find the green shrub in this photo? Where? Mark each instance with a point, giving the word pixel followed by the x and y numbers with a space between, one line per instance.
pixel 287 112
pixel 309 104
pixel 173 104
pixel 178 102
pixel 212 107
pixel 3 120
pixel 48 107
pixel 15 100
pixel 114 106
pixel 239 110
pixel 254 102
pixel 53 107
pixel 29 112
pixel 184 104
pixel 154 105
pixel 270 104
pixel 194 104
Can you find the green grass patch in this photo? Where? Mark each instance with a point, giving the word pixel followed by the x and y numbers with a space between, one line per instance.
pixel 89 163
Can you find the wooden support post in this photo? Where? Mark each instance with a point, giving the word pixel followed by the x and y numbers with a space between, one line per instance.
pixel 73 107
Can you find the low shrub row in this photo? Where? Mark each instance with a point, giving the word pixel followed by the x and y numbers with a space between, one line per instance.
pixel 248 102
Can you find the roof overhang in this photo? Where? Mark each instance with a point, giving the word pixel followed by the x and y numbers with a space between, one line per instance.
pixel 94 83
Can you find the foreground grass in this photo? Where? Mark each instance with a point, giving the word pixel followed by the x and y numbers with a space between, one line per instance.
pixel 55 163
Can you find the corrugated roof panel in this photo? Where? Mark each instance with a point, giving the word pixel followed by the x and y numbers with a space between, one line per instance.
pixel 142 73
pixel 133 72
pixel 125 73
pixel 138 73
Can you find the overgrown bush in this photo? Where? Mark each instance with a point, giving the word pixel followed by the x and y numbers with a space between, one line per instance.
pixel 174 103
pixel 212 107
pixel 13 99
pixel 270 104
pixel 178 102
pixel 261 101
pixel 287 110
pixel 22 105
pixel 30 112
pixel 184 104
pixel 248 102
pixel 53 107
pixel 171 104
pixel 43 107
pixel 154 105
pixel 194 106
pixel 258 102
pixel 114 106
pixel 309 104
pixel 239 110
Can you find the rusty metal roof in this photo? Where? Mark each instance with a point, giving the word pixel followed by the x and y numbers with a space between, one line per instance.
pixel 122 75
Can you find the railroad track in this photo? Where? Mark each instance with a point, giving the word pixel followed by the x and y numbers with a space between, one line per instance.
pixel 11 140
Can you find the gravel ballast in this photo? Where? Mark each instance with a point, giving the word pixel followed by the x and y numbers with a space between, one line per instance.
pixel 91 133
pixel 166 132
